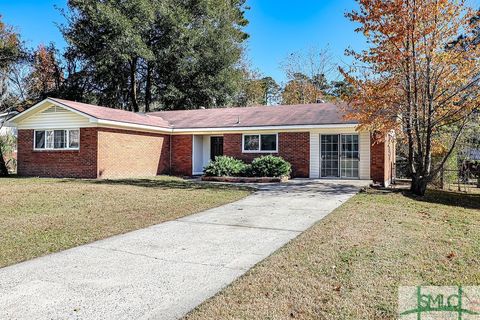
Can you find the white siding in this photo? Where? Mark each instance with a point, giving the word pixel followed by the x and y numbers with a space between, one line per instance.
pixel 206 150
pixel 364 155
pixel 314 155
pixel 197 154
pixel 60 118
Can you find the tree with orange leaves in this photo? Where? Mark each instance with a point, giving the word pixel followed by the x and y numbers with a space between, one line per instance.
pixel 46 76
pixel 414 77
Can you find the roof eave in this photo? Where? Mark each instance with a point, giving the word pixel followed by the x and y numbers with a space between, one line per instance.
pixel 259 128
pixel 129 125
pixel 23 114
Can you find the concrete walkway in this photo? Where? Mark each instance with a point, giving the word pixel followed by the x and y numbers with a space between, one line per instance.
pixel 164 271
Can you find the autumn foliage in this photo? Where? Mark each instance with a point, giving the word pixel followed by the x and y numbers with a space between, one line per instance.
pixel 46 76
pixel 300 91
pixel 416 77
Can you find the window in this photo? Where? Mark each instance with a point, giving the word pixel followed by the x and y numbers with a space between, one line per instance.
pixel 39 139
pixel 73 139
pixel 60 139
pixel 260 143
pixel 57 139
pixel 350 156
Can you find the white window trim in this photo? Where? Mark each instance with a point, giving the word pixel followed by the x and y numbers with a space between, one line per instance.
pixel 56 149
pixel 259 143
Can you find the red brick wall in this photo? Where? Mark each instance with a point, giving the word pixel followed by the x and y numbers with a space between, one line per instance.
pixel 292 146
pixel 382 159
pixel 182 154
pixel 72 163
pixel 295 148
pixel 126 153
pixel 112 153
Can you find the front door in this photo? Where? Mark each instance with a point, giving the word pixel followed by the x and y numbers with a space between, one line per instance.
pixel 329 156
pixel 216 147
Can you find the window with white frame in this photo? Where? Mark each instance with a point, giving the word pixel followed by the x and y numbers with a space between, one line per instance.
pixel 60 139
pixel 260 142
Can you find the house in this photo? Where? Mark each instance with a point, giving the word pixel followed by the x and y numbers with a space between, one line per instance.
pixel 5 127
pixel 59 138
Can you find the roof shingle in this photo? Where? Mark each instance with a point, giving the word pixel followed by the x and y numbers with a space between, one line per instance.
pixel 282 115
pixel 114 114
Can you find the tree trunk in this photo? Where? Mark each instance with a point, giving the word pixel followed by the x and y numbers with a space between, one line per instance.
pixel 3 165
pixel 419 185
pixel 148 88
pixel 133 84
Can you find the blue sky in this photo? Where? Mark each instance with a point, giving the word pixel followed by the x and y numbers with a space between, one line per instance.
pixel 277 27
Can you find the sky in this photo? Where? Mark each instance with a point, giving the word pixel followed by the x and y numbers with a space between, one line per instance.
pixel 277 28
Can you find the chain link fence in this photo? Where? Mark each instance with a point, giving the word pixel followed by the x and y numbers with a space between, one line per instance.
pixel 462 177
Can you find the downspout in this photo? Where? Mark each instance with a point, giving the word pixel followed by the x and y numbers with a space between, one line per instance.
pixel 170 153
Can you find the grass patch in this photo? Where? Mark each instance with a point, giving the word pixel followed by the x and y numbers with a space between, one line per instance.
pixel 41 216
pixel 350 265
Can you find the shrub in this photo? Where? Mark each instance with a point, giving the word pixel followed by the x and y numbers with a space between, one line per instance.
pixel 224 166
pixel 270 166
pixel 8 144
pixel 247 171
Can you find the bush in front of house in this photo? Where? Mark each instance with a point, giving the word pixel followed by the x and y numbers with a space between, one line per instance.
pixel 270 166
pixel 247 171
pixel 265 166
pixel 224 166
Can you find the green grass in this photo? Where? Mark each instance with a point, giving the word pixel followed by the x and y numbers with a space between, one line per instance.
pixel 41 216
pixel 350 265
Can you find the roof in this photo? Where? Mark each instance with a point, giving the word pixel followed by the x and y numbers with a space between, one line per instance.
pixel 217 119
pixel 282 115
pixel 113 114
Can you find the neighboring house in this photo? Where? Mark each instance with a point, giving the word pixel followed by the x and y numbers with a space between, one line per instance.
pixel 471 154
pixel 5 127
pixel 59 138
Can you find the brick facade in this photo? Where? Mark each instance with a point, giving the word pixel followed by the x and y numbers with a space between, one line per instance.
pixel 295 148
pixel 181 156
pixel 382 159
pixel 292 146
pixel 104 153
pixel 65 164
pixel 114 153
pixel 125 153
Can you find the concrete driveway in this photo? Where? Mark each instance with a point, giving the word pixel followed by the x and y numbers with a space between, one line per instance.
pixel 164 271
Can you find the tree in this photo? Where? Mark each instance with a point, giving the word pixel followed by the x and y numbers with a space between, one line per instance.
pixel 160 54
pixel 46 75
pixel 307 73
pixel 271 91
pixel 10 53
pixel 203 67
pixel 411 80
pixel 341 90
pixel 109 37
pixel 471 39
pixel 300 90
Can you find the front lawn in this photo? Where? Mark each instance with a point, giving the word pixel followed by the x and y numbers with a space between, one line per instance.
pixel 350 265
pixel 41 216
